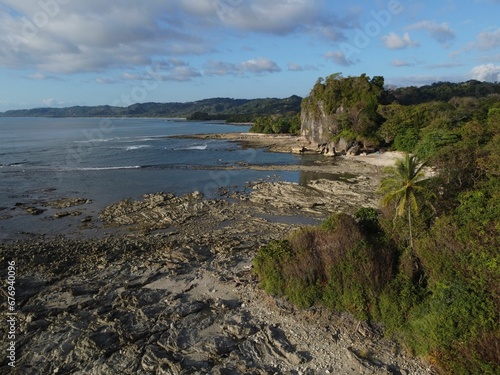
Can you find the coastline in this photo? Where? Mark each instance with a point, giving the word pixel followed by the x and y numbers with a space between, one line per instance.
pixel 171 289
pixel 290 143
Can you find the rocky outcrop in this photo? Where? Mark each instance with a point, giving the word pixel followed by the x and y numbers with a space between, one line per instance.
pixel 157 211
pixel 317 125
pixel 68 202
pixel 338 105
pixel 172 290
pixel 319 128
pixel 177 302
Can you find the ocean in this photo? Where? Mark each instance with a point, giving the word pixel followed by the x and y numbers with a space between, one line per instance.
pixel 107 160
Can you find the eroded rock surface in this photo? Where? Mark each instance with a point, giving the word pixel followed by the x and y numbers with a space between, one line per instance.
pixel 175 293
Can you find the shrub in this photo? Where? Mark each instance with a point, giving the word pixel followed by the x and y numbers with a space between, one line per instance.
pixel 406 140
pixel 368 219
pixel 332 264
pixel 268 263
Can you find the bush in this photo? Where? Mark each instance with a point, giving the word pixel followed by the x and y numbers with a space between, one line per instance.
pixel 332 264
pixel 277 124
pixel 406 140
pixel 441 300
pixel 368 219
pixel 268 262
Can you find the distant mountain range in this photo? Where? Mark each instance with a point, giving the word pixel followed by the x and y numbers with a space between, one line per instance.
pixel 246 110
pixel 215 108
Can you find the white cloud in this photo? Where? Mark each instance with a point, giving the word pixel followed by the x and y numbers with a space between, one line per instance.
pixel 338 57
pixel 401 63
pixel 486 72
pixel 172 69
pixel 294 67
pixel 37 76
pixel 220 68
pixel 284 17
pixel 256 66
pixel 94 36
pixel 97 36
pixel 260 65
pixel 394 41
pixel 51 102
pixel 274 17
pixel 488 40
pixel 444 65
pixel 105 80
pixel 442 33
pixel 485 41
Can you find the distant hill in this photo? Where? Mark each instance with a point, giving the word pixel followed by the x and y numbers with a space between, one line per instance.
pixel 442 91
pixel 215 108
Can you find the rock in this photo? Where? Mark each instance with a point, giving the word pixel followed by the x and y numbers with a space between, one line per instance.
pixel 317 125
pixel 184 300
pixel 342 145
pixel 156 211
pixel 34 210
pixel 354 150
pixel 68 202
pixel 299 150
pixel 61 214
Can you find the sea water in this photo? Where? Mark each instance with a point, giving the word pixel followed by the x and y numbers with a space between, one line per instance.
pixel 107 160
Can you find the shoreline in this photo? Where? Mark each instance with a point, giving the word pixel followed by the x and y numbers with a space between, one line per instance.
pixel 171 287
pixel 82 221
pixel 289 143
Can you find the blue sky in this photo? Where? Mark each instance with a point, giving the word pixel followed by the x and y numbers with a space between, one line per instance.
pixel 117 52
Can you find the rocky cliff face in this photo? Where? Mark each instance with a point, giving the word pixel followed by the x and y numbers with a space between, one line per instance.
pixel 341 107
pixel 316 125
pixel 319 127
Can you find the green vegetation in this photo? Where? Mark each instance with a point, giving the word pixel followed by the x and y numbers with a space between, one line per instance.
pixel 443 91
pixel 429 275
pixel 404 185
pixel 277 124
pixel 350 104
pixel 339 264
pixel 412 119
pixel 232 110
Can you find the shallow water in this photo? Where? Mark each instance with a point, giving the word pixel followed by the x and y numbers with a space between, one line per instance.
pixel 107 160
pixel 110 159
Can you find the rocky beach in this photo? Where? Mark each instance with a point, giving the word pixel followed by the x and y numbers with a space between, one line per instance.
pixel 165 285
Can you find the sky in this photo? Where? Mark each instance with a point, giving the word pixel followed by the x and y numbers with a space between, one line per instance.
pixel 58 53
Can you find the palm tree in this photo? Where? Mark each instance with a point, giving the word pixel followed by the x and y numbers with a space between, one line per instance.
pixel 404 186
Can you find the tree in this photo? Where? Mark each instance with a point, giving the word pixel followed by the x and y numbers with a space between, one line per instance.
pixel 405 186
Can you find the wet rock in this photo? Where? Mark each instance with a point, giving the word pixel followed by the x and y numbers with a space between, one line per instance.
pixel 157 211
pixel 68 202
pixel 62 214
pixel 34 210
pixel 181 300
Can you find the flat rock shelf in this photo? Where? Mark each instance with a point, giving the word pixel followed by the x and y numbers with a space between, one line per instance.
pixel 170 289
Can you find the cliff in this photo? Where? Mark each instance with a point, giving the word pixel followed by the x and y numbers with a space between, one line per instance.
pixel 317 125
pixel 342 111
